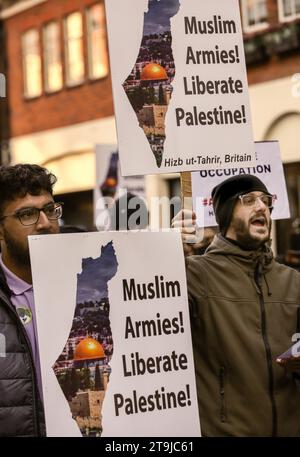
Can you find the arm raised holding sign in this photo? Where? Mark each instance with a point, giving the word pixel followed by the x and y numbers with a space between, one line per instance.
pixel 195 240
pixel 244 310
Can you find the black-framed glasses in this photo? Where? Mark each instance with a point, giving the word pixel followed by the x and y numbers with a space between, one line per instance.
pixel 30 216
pixel 250 200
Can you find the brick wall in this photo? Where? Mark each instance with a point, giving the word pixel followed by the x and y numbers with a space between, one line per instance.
pixel 272 11
pixel 90 100
pixel 278 65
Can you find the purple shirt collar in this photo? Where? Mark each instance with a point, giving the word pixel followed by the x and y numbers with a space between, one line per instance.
pixel 16 284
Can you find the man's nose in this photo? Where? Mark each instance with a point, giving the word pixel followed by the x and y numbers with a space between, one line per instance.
pixel 43 222
pixel 259 204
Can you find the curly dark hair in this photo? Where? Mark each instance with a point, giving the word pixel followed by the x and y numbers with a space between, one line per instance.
pixel 18 180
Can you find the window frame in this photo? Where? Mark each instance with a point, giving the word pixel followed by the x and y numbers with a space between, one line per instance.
pixel 26 93
pixel 282 17
pixel 68 81
pixel 45 57
pixel 245 19
pixel 92 76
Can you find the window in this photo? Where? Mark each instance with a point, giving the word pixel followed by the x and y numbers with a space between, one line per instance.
pixel 289 9
pixel 97 51
pixel 255 13
pixel 31 63
pixel 52 59
pixel 74 49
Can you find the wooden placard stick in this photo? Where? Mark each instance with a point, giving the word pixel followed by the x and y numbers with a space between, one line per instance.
pixel 186 190
pixel 186 199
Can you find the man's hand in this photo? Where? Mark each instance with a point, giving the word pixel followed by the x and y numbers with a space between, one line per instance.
pixel 290 359
pixel 185 222
pixel 291 364
pixel 192 236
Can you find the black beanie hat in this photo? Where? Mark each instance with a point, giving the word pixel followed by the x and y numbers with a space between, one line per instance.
pixel 225 194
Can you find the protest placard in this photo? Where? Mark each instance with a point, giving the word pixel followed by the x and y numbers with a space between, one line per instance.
pixel 111 185
pixel 180 89
pixel 114 334
pixel 268 168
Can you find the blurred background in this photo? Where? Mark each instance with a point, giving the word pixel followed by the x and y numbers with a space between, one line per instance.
pixel 56 98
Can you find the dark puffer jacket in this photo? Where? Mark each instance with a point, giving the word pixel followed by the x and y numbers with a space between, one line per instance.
pixel 21 411
pixel 245 308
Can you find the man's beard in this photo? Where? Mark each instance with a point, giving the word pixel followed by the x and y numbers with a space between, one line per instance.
pixel 17 250
pixel 244 237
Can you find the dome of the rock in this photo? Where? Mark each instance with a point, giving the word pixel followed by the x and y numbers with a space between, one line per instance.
pixel 153 72
pixel 110 182
pixel 88 349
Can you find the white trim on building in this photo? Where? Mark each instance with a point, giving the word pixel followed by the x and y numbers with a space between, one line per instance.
pixel 19 8
pixel 67 151
pixel 275 107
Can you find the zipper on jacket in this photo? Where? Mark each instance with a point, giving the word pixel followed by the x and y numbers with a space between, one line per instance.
pixel 34 379
pixel 269 358
pixel 222 375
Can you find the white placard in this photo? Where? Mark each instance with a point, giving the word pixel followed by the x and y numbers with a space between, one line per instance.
pixel 268 168
pixel 110 182
pixel 115 301
pixel 180 85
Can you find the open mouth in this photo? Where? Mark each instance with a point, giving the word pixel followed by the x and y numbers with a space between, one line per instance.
pixel 259 221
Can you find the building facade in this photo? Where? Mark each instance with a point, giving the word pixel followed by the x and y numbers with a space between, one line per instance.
pixel 272 49
pixel 59 91
pixel 4 116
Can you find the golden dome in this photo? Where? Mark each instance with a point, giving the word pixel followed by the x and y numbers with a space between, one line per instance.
pixel 153 72
pixel 89 349
pixel 111 182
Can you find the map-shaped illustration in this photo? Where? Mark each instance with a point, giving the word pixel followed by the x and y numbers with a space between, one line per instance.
pixel 83 369
pixel 149 85
pixel 109 186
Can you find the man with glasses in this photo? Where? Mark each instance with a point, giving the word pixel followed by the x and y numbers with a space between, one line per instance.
pixel 245 310
pixel 26 208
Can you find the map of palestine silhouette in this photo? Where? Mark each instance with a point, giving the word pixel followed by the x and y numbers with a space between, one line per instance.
pixel 149 85
pixel 83 367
